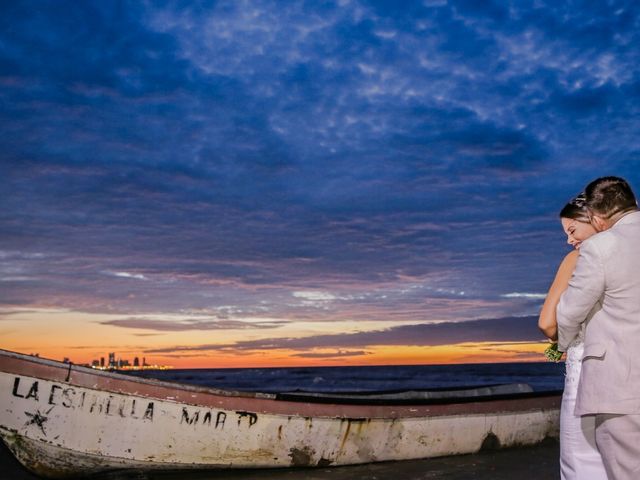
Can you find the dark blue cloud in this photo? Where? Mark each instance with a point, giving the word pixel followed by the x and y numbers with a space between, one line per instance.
pixel 408 162
pixel 447 333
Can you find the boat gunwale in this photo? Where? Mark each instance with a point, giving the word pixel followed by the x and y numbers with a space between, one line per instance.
pixel 293 397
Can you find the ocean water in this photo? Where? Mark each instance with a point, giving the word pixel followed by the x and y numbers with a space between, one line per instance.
pixel 541 376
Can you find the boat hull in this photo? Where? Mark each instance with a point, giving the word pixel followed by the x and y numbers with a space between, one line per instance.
pixel 61 421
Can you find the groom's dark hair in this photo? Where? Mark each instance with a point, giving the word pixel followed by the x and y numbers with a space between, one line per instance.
pixel 608 196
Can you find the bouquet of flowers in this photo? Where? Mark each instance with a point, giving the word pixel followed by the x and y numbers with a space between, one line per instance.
pixel 552 353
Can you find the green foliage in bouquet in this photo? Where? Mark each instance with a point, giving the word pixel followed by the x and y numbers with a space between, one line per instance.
pixel 552 353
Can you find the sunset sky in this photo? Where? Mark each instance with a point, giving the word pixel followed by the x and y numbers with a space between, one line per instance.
pixel 260 183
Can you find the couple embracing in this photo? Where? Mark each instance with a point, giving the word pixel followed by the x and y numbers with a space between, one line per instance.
pixel 593 311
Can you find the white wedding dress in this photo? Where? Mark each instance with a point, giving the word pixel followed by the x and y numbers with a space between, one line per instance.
pixel 579 457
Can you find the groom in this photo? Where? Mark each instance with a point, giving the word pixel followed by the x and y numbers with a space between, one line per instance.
pixel 607 276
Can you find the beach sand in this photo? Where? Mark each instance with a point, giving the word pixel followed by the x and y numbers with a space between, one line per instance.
pixel 539 462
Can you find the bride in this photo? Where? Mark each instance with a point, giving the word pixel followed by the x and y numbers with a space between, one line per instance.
pixel 579 457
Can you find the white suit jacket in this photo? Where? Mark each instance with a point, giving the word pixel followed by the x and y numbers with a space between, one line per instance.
pixel 608 273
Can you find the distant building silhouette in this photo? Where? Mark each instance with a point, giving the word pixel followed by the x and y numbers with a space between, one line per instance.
pixel 115 363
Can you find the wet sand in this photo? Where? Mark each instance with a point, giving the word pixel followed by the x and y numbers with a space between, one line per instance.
pixel 540 462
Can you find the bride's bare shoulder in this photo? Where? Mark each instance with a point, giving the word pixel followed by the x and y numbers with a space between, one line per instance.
pixel 570 259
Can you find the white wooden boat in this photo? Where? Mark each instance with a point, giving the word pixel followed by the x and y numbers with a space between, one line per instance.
pixel 62 420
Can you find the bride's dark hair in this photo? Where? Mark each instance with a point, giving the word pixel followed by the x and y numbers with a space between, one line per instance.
pixel 576 209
